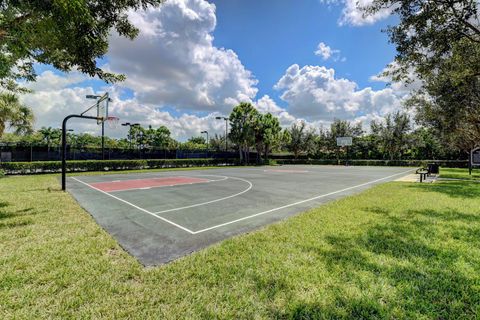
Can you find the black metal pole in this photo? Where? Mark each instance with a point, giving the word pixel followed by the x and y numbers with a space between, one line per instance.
pixel 64 145
pixel 130 137
pixel 470 156
pixel 346 161
pixel 226 135
pixel 103 140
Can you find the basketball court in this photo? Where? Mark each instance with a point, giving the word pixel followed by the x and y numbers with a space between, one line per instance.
pixel 161 216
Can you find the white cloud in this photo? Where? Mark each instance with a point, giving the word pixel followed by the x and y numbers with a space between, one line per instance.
pixel 404 87
pixel 174 64
pixel 326 52
pixel 313 92
pixel 58 96
pixel 352 13
pixel 268 105
pixel 173 61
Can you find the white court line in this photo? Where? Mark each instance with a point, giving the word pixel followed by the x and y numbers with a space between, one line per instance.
pixel 136 207
pixel 297 203
pixel 244 218
pixel 212 201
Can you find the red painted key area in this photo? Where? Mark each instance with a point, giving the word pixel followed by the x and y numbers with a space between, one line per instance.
pixel 124 185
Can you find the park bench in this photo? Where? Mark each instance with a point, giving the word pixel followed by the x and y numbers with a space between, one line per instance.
pixel 424 172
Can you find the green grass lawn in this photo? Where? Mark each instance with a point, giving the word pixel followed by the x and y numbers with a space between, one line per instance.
pixel 454 173
pixel 397 251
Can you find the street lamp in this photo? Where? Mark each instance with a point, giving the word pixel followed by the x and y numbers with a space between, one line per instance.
pixel 207 140
pixel 226 130
pixel 130 125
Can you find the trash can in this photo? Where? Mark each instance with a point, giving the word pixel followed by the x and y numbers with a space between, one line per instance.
pixel 433 168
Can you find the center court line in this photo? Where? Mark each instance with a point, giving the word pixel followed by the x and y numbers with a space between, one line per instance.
pixel 136 207
pixel 298 202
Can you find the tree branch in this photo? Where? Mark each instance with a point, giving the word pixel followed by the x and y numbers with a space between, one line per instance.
pixel 466 23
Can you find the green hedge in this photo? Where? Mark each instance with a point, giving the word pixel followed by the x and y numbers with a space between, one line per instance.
pixel 106 165
pixel 393 163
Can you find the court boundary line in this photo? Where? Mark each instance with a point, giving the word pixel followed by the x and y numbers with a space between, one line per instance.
pixel 243 218
pixel 136 207
pixel 297 203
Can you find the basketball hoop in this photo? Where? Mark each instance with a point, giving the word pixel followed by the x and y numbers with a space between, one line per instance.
pixel 112 122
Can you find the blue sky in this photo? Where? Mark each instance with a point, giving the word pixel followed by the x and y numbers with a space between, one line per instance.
pixel 269 38
pixel 193 60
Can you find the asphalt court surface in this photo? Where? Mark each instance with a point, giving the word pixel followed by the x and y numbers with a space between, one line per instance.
pixel 161 216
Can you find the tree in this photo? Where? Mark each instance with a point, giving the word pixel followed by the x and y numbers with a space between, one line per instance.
pixel 439 40
pixel 449 102
pixel 67 34
pixel 428 32
pixel 158 138
pixel 15 115
pixel 194 143
pixel 161 138
pixel 284 139
pixel 393 134
pixel 271 133
pixel 300 138
pixel 242 128
pixel 51 136
pixel 217 142
pixel 197 140
pixel 266 130
pixel 342 128
pixel 426 144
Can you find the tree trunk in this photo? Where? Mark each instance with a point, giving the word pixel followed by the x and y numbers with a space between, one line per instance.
pixel 259 152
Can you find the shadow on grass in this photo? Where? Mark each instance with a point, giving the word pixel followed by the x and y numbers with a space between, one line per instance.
pixel 447 215
pixel 8 216
pixel 456 189
pixel 407 254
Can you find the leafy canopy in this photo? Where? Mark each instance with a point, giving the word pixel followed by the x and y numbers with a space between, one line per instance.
pixel 439 40
pixel 428 31
pixel 15 115
pixel 67 34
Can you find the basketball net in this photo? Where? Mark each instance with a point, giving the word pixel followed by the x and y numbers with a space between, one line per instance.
pixel 112 122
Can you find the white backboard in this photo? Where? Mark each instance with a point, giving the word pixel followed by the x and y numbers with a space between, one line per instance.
pixel 344 141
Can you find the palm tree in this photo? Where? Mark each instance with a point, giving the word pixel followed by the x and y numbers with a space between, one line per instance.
pixel 51 136
pixel 15 115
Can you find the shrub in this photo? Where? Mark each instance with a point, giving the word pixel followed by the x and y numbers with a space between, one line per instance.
pixel 272 162
pixel 106 165
pixel 393 163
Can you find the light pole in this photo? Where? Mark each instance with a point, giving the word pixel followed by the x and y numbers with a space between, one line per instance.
pixel 226 130
pixel 207 140
pixel 130 125
pixel 96 97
